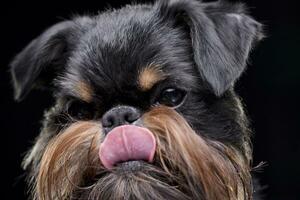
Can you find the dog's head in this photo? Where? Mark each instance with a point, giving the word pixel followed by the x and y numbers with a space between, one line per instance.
pixel 145 107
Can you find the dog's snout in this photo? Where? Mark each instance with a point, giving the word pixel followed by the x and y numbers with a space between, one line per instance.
pixel 118 116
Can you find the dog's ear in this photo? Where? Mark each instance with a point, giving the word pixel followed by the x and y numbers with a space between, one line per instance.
pixel 37 64
pixel 222 35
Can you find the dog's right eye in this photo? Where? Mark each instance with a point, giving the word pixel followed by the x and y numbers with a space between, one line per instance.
pixel 80 110
pixel 171 97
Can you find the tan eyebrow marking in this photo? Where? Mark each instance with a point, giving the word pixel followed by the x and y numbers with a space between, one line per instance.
pixel 149 76
pixel 84 91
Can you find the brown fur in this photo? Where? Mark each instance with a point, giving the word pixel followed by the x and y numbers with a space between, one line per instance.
pixel 216 165
pixel 84 91
pixel 149 76
pixel 68 158
pixel 186 166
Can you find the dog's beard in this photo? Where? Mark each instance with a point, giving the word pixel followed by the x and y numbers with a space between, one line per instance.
pixel 186 166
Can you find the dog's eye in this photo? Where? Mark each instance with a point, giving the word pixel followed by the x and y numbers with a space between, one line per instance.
pixel 171 97
pixel 80 110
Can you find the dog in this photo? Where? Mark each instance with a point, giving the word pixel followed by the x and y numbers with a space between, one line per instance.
pixel 145 106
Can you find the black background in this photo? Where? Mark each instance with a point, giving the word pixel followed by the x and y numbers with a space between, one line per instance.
pixel 270 89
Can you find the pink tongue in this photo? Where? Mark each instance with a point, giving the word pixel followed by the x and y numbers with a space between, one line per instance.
pixel 126 143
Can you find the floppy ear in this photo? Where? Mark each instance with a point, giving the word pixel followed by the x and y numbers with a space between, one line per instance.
pixel 36 65
pixel 222 35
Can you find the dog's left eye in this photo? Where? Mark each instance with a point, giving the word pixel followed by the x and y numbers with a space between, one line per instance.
pixel 171 97
pixel 80 110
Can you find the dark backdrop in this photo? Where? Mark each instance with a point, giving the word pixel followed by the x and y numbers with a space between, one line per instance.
pixel 270 89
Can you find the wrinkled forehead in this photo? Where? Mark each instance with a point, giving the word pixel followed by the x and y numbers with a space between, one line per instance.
pixel 124 53
pixel 87 84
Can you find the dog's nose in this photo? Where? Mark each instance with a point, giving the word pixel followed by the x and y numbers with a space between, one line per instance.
pixel 118 116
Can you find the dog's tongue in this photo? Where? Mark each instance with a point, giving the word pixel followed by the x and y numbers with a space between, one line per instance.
pixel 126 143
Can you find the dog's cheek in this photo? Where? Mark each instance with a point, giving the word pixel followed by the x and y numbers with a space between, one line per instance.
pixel 49 129
pixel 177 155
pixel 54 121
pixel 219 118
pixel 73 153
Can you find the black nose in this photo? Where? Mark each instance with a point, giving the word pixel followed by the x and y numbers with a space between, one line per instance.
pixel 118 116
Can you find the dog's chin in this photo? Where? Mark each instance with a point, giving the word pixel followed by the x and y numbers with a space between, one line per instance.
pixel 125 169
pixel 132 180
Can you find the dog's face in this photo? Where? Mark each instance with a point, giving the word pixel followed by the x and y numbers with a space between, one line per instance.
pixel 145 107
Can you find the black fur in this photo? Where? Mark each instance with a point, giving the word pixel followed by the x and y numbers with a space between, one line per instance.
pixel 203 47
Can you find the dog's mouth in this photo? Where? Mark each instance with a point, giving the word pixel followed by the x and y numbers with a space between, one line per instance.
pixel 131 166
pixel 125 145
